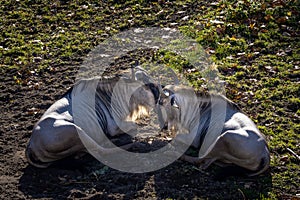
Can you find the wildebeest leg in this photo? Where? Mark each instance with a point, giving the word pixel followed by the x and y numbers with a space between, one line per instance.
pixel 97 150
pixel 244 148
pixel 201 162
pixel 52 140
pixel 239 147
pixel 55 139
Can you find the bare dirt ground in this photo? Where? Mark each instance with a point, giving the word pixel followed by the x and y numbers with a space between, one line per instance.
pixel 89 179
pixel 42 43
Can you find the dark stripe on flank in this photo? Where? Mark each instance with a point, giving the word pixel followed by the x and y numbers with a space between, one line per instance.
pixel 101 107
pixel 205 115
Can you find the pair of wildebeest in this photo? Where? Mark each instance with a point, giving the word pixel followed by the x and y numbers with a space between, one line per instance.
pixel 214 125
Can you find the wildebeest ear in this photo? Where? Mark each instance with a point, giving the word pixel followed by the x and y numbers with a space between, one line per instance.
pixel 154 89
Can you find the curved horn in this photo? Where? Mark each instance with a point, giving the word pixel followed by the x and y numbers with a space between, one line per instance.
pixel 136 67
pixel 161 92
pixel 132 74
pixel 133 65
pixel 176 80
pixel 160 117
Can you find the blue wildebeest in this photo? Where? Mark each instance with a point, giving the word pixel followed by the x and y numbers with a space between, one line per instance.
pixel 56 135
pixel 216 126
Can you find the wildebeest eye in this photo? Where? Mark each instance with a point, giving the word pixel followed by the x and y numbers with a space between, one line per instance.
pixel 173 102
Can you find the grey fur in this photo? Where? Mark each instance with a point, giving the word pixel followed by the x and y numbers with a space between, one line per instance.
pixel 217 127
pixel 55 135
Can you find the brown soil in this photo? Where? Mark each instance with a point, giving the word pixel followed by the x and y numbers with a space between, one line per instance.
pixel 23 104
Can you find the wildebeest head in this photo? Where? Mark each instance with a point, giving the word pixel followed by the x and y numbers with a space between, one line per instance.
pixel 177 105
pixel 146 96
pixel 143 77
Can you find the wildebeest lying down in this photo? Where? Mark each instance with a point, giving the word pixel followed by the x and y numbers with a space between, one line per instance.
pixel 216 126
pixel 56 135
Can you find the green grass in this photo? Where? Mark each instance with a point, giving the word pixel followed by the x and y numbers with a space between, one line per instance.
pixel 257 51
pixel 255 45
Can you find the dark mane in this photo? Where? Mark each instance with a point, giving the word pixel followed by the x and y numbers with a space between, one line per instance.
pixel 105 84
pixel 207 95
pixel 103 91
